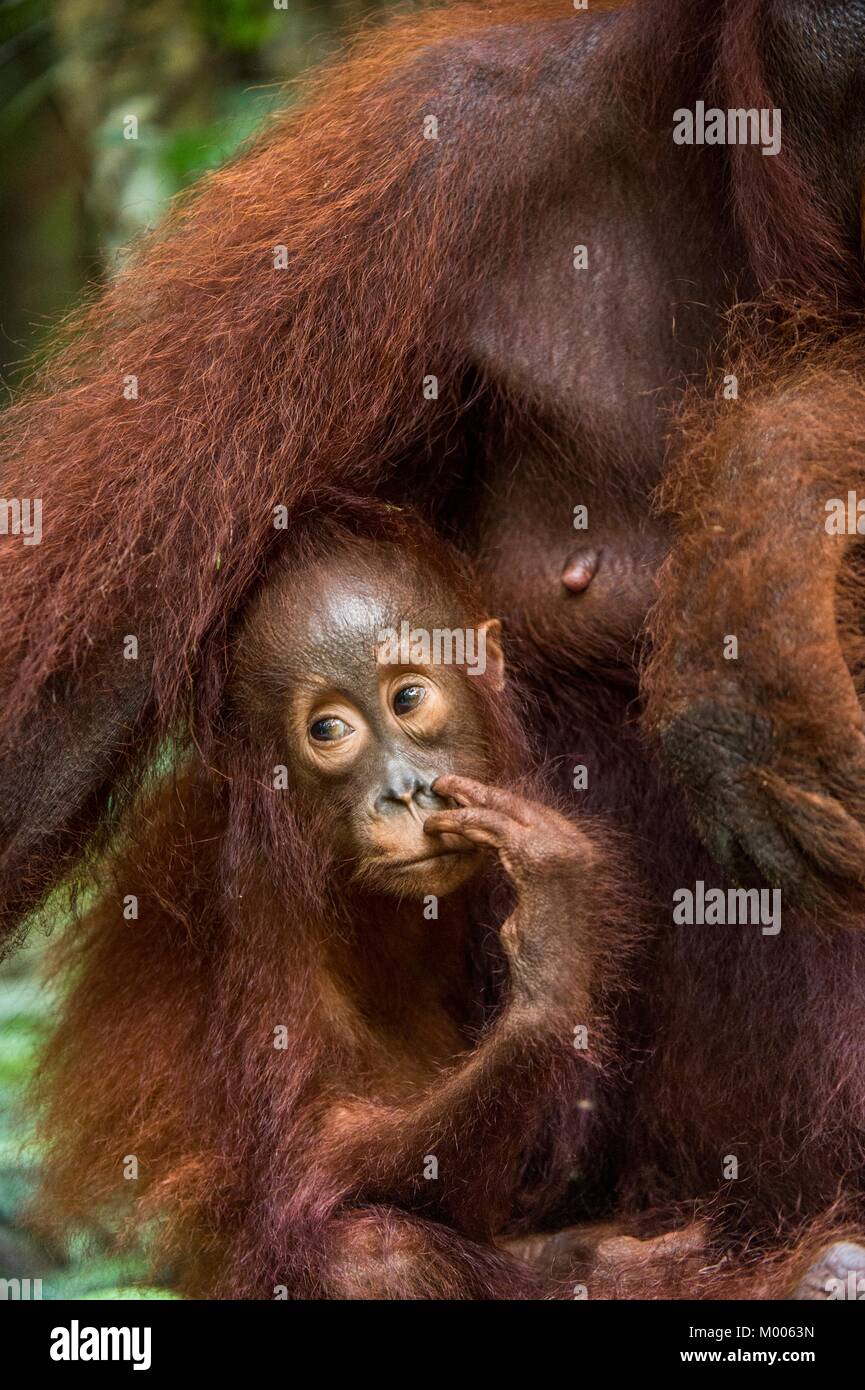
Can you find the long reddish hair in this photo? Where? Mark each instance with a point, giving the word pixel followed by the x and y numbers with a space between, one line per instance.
pixel 259 386
pixel 164 1049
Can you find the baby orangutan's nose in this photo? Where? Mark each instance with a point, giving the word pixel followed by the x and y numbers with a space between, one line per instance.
pixel 408 786
pixel 580 570
pixel 428 800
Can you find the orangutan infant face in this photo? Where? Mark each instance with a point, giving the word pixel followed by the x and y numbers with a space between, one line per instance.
pixel 369 730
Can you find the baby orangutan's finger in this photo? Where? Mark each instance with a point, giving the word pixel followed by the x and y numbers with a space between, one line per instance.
pixel 468 792
pixel 475 823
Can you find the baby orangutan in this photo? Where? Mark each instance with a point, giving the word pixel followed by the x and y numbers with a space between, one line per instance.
pixel 351 1037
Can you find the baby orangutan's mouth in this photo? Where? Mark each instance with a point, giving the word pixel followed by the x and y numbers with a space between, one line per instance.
pixel 426 858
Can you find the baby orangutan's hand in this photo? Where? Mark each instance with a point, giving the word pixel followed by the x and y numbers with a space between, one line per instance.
pixel 550 862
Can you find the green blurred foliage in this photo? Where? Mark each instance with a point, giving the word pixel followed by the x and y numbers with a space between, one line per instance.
pixel 199 76
pixel 85 1268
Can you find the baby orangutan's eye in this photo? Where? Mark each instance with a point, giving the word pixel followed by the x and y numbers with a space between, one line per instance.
pixel 329 730
pixel 407 699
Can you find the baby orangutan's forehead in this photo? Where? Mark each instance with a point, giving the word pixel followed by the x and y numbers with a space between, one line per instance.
pixel 348 616
pixel 334 616
pixel 334 621
pixel 337 643
pixel 344 615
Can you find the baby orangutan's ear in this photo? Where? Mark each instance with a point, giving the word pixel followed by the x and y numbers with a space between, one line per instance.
pixel 490 645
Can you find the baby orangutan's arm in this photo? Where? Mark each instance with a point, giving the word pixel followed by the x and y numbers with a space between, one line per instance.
pixel 480 1120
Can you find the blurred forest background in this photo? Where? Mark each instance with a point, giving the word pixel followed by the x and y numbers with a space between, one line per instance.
pixel 199 76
